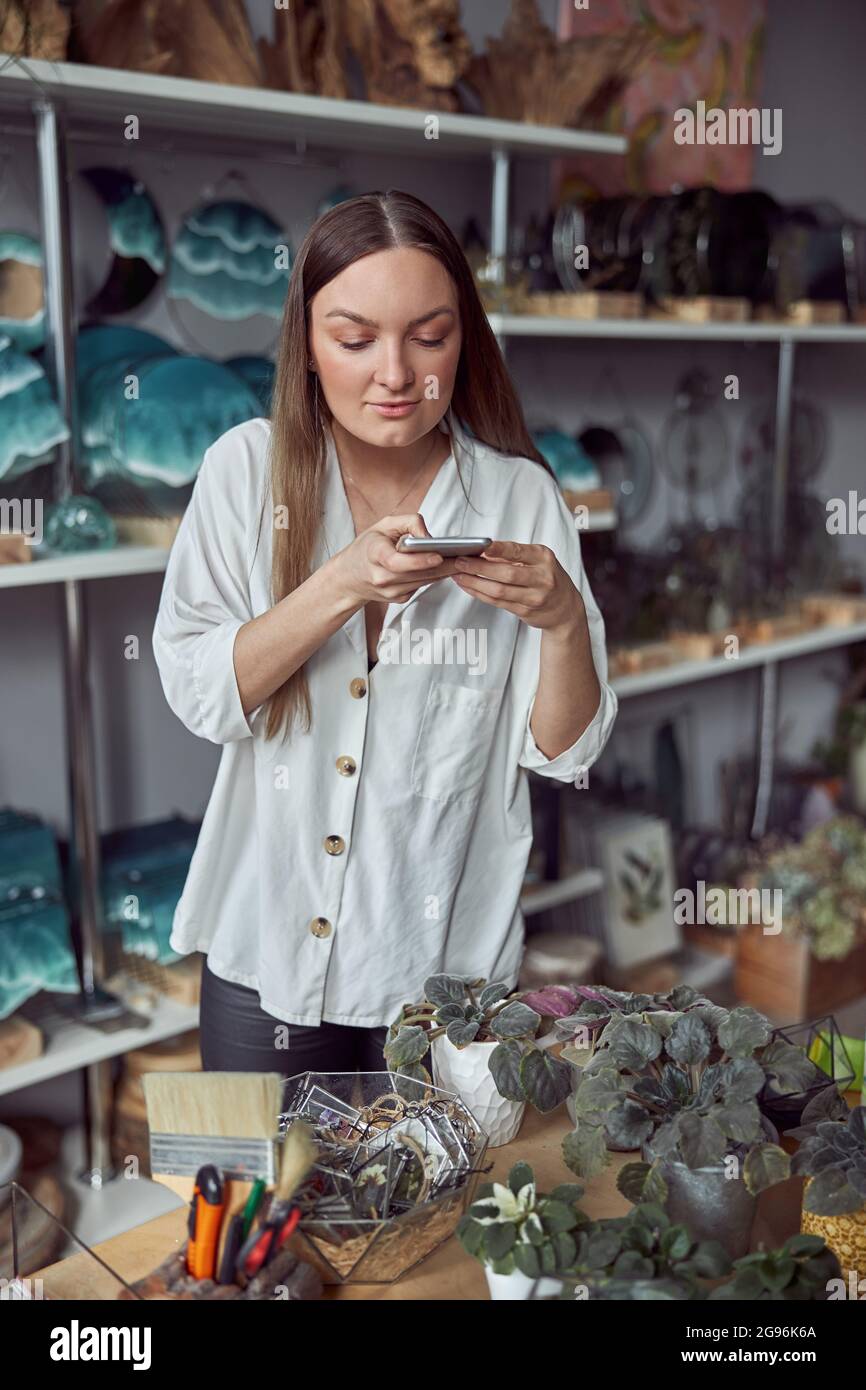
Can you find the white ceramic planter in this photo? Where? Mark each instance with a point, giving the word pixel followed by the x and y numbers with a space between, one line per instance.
pixel 466 1070
pixel 517 1285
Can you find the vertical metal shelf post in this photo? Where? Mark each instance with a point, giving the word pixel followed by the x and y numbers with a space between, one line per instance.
pixel 95 1003
pixel 769 691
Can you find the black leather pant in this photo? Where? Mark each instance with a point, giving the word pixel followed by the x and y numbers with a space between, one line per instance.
pixel 237 1035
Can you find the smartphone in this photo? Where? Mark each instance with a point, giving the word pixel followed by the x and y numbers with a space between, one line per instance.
pixel 443 545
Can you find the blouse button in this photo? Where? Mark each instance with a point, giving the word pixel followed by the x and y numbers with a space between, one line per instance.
pixel 357 688
pixel 346 766
pixel 334 844
pixel 320 926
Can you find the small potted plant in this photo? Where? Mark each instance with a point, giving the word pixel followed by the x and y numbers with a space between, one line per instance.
pixel 481 1038
pixel 643 1255
pixel 832 1157
pixel 683 1087
pixel 520 1234
pixel 581 1029
pixel 799 1271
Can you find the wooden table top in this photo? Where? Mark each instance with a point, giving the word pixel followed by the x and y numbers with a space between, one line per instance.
pixel 449 1273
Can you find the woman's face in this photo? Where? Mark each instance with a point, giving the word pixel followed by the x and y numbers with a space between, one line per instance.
pixel 387 330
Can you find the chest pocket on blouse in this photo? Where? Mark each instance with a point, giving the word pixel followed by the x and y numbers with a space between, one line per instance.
pixel 454 741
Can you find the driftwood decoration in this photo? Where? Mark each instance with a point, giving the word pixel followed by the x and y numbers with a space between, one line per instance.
pixel 400 52
pixel 34 29
pixel 205 39
pixel 528 74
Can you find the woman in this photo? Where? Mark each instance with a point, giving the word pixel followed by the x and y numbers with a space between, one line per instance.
pixel 370 824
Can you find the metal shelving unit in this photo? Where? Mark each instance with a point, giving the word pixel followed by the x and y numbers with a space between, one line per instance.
pixel 64 101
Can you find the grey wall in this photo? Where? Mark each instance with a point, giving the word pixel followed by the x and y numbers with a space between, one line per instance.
pixel 149 765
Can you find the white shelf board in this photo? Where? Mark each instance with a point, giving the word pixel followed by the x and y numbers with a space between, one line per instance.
pixel 108 95
pixel 92 564
pixel 70 1044
pixel 560 326
pixel 98 1214
pixel 684 673
pixel 600 521
pixel 576 885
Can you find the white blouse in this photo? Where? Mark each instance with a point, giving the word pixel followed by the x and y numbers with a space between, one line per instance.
pixel 336 869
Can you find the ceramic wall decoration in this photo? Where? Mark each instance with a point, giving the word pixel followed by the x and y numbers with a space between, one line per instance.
pixel 225 260
pixel 31 424
pixel 573 467
pixel 136 238
pixel 105 355
pixel 258 373
pixel 22 299
pixel 160 435
pixel 35 946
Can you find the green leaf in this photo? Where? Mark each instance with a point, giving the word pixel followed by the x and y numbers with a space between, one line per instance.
pixel 584 1151
pixel 569 1192
pixel 602 1249
pixel 777 1271
pixel 597 1092
pixel 711 1260
pixel 631 1045
pixel 444 989
pixel 499 1238
pixel 676 1243
pixel 491 994
pixel 565 1250
pixel 765 1165
pixel 741 1078
pixel 546 1081
pixel 519 1175
pixel 557 1216
pixel 471 1235
pixel 743 1030
pixel 409 1045
pixel 516 1020
pixel 689 1043
pixel 527 1260
pixel 461 1034
pixel 803 1245
pixel 504 1064
pixel 631 1264
pixel 702 1141
pixel 642 1183
pixel 739 1120
pixel 830 1194
pixel 789 1065
pixel 628 1124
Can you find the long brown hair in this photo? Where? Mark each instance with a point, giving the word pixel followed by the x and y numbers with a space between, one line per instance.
pixel 484 400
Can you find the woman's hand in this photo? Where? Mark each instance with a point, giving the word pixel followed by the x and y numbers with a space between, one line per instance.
pixel 526 580
pixel 372 568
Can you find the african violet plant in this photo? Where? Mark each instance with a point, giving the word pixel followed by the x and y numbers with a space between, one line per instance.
pixel 512 1226
pixel 832 1153
pixel 640 1256
pixel 468 1011
pixel 799 1271
pixel 598 1004
pixel 683 1085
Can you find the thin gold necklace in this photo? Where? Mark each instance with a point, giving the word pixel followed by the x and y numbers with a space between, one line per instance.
pixel 391 511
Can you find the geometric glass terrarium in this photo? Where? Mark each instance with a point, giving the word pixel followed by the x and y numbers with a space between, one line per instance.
pixel 398 1164
pixel 826 1049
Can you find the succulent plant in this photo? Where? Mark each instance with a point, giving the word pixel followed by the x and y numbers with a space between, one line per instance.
pixel 513 1227
pixel 468 1011
pixel 684 1085
pixel 823 885
pixel 832 1154
pixel 799 1271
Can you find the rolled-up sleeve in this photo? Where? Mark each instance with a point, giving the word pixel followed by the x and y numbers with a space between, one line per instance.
pixel 205 601
pixel 559 531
